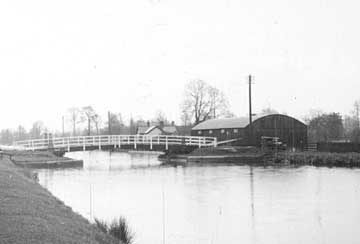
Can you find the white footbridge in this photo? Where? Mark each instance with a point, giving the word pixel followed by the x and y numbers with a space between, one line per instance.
pixel 145 142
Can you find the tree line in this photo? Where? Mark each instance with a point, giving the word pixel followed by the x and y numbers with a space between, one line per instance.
pixel 82 121
pixel 200 102
pixel 330 127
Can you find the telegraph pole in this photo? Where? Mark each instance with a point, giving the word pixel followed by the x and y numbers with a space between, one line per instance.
pixel 63 127
pixel 109 121
pixel 250 112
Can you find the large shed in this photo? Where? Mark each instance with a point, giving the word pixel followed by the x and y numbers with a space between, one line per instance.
pixel 290 131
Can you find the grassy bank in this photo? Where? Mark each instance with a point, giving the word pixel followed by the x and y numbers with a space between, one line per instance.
pixel 318 159
pixel 225 150
pixel 252 155
pixel 30 214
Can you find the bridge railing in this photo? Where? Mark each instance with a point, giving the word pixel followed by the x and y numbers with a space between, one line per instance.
pixel 116 141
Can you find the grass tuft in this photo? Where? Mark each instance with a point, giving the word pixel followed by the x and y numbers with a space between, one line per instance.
pixel 119 229
pixel 101 225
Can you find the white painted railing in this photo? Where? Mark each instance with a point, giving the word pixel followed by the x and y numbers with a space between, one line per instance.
pixel 117 141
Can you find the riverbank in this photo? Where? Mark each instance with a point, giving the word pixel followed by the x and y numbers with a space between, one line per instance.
pixel 39 159
pixel 31 214
pixel 252 155
pixel 223 154
pixel 325 159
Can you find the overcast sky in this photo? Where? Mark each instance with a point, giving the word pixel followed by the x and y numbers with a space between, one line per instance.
pixel 136 56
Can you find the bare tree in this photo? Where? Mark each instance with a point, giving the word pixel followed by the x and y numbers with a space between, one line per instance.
pixel 196 102
pixel 76 117
pixel 185 118
pixel 20 133
pixel 356 113
pixel 89 113
pixel 37 129
pixel 96 119
pixel 115 122
pixel 6 136
pixel 218 103
pixel 202 102
pixel 160 117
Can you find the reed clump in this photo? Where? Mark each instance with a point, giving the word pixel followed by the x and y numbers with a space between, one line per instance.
pixel 118 228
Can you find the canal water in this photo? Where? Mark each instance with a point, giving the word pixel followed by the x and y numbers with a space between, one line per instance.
pixel 212 203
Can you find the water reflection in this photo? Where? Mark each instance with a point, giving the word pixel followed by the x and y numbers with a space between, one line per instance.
pixel 212 203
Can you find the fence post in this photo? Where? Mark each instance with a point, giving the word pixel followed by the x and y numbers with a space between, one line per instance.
pixel 99 142
pixel 84 143
pixel 135 142
pixel 215 142
pixel 68 144
pixel 119 142
pixel 166 143
pixel 114 141
pixel 151 143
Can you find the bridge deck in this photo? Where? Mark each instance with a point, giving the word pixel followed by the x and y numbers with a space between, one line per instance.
pixel 117 141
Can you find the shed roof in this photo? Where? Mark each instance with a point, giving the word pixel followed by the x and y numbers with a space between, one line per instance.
pixel 230 123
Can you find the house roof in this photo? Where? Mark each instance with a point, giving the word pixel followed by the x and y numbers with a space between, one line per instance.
pixel 142 129
pixel 153 128
pixel 184 130
pixel 166 129
pixel 170 129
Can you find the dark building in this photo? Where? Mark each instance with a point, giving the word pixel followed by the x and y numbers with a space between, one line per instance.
pixel 289 130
